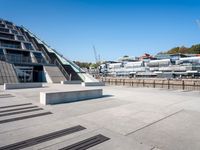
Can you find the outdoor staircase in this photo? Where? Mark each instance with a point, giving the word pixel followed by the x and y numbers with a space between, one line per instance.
pixel 53 74
pixel 71 72
pixel 7 73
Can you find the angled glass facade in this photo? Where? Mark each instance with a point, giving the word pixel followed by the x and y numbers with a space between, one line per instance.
pixel 28 54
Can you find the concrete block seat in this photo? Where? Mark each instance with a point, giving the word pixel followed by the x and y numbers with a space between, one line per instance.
pixel 71 82
pixel 93 84
pixel 8 86
pixel 57 97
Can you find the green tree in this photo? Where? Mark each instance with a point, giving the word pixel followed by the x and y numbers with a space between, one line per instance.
pixel 173 50
pixel 195 49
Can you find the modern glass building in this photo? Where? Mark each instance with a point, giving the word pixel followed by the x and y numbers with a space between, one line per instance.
pixel 26 58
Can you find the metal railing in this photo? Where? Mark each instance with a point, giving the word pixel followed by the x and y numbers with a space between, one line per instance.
pixel 184 84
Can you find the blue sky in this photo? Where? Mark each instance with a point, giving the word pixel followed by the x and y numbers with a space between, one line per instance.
pixel 115 27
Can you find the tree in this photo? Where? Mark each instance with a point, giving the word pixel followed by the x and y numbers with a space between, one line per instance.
pixel 173 50
pixel 195 49
pixel 183 50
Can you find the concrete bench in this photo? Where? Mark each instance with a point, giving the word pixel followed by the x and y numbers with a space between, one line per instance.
pixel 93 84
pixel 71 82
pixel 69 96
pixel 8 86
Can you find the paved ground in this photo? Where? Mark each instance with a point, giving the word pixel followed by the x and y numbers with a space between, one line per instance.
pixel 133 119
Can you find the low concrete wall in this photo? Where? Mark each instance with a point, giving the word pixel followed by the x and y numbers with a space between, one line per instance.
pixel 8 86
pixel 93 84
pixel 69 96
pixel 71 82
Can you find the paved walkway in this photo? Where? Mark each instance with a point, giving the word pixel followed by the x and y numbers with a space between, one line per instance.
pixel 130 118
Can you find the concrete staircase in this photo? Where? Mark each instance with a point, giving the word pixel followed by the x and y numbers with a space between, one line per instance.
pixel 7 73
pixel 53 74
pixel 72 73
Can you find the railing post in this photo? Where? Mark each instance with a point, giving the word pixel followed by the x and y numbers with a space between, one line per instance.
pixel 183 85
pixel 143 82
pixel 168 84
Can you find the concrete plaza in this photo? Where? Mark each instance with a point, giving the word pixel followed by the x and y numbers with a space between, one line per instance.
pixel 133 118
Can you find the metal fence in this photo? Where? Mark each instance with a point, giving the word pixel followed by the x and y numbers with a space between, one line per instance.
pixel 184 84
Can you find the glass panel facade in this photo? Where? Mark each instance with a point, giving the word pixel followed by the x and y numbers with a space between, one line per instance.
pixel 2 25
pixel 14 31
pixel 10 44
pixel 1 51
pixel 8 36
pixel 4 30
pixel 2 57
pixel 9 27
pixel 8 23
pixel 39 57
pixel 20 38
pixel 28 46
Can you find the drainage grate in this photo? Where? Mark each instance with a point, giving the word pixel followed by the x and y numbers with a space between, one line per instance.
pixel 20 112
pixel 24 117
pixel 15 105
pixel 87 143
pixel 6 95
pixel 8 110
pixel 43 138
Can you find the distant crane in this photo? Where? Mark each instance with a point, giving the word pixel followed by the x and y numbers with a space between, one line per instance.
pixel 97 57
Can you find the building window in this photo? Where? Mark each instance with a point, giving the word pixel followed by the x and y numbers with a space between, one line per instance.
pixel 28 46
pixel 2 25
pixel 1 51
pixel 39 57
pixel 20 38
pixel 9 27
pixel 7 36
pixel 8 23
pixel 4 30
pixel 10 44
pixel 14 31
pixel 2 57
